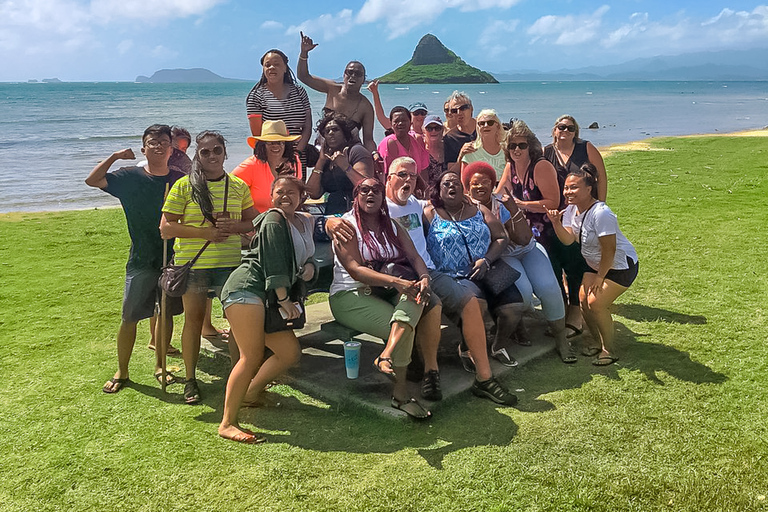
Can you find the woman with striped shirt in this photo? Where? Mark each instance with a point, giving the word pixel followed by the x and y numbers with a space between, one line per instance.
pixel 277 96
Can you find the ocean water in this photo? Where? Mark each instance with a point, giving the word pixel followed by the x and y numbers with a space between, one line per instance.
pixel 51 135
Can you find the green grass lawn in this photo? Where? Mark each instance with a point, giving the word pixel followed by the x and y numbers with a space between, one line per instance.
pixel 678 424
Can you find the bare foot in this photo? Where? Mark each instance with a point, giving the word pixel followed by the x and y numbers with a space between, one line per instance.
pixel 235 433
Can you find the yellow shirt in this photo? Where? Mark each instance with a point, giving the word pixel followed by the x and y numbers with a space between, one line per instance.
pixel 179 202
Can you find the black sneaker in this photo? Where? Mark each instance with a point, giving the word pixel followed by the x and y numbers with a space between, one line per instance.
pixel 492 390
pixel 430 386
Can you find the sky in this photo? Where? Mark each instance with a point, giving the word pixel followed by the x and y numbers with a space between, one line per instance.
pixel 117 40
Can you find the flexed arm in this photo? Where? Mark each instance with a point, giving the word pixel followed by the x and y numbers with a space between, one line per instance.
pixel 302 68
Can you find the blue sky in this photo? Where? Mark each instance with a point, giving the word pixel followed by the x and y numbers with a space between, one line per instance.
pixel 120 39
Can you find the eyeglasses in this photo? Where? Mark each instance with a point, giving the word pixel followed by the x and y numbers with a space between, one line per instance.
pixel 154 144
pixel 450 183
pixel 434 128
pixel 354 73
pixel 404 175
pixel 217 150
pixel 419 112
pixel 568 127
pixel 488 122
pixel 461 108
pixel 513 145
pixel 367 189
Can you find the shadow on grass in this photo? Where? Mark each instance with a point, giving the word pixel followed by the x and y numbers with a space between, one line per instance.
pixel 650 359
pixel 641 313
pixel 306 422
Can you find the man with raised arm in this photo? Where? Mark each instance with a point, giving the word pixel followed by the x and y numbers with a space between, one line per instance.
pixel 141 191
pixel 344 98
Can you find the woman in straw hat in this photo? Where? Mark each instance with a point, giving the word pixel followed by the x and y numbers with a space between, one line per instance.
pixel 274 153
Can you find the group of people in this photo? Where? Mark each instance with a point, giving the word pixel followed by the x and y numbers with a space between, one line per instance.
pixel 468 218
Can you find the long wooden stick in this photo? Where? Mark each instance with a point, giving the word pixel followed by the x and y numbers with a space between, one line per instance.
pixel 160 344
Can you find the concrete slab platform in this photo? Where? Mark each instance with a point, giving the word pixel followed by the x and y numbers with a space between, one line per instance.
pixel 321 371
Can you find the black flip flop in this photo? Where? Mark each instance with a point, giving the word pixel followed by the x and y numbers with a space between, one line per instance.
pixel 412 408
pixel 575 331
pixel 115 385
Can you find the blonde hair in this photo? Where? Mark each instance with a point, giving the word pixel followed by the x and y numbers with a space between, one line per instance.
pixel 500 133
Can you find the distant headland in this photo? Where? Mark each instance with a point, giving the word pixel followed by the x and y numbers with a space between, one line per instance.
pixel 433 63
pixel 194 75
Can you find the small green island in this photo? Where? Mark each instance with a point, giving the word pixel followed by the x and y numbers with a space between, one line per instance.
pixel 433 63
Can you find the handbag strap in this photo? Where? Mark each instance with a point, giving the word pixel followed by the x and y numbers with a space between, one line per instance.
pixel 207 243
pixel 584 221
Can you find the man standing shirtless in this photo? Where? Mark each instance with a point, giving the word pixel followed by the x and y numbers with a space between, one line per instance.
pixel 344 98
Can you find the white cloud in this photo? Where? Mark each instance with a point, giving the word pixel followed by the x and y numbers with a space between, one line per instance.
pixel 271 25
pixel 149 10
pixel 494 39
pixel 327 26
pixel 728 29
pixel 37 26
pixel 570 29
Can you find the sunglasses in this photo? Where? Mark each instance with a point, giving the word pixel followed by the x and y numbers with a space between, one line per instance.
pixel 354 73
pixel 419 112
pixel 154 144
pixel 450 183
pixel 513 145
pixel 460 109
pixel 367 189
pixel 217 150
pixel 403 175
pixel 489 122
pixel 566 127
pixel 434 128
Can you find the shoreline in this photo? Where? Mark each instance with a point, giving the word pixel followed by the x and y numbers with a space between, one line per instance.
pixel 638 145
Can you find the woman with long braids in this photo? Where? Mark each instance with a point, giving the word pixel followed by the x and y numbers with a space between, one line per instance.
pixel 394 313
pixel 206 208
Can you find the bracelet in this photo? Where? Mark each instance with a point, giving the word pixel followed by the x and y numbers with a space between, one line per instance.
pixel 302 58
pixel 487 264
pixel 283 300
pixel 315 170
pixel 424 276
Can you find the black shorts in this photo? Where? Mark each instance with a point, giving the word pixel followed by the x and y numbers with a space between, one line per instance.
pixel 622 277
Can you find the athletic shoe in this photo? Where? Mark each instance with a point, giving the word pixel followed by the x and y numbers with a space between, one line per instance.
pixel 430 386
pixel 492 390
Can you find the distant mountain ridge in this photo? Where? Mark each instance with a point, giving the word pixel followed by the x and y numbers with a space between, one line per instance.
pixel 433 63
pixel 722 65
pixel 194 75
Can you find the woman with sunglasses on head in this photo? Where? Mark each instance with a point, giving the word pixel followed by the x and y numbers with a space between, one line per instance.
pixel 205 207
pixel 277 96
pixel 344 98
pixel 343 163
pixel 366 299
pixel 274 154
pixel 612 260
pixel 279 256
pixel 463 240
pixel 568 153
pixel 487 147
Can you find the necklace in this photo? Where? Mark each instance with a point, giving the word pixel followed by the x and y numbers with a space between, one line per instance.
pixel 452 216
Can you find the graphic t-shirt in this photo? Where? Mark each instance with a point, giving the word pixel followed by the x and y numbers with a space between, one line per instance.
pixel 409 217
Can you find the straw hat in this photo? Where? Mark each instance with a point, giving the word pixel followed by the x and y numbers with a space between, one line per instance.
pixel 273 131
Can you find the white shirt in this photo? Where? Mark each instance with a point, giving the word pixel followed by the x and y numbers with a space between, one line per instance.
pixel 409 217
pixel 597 222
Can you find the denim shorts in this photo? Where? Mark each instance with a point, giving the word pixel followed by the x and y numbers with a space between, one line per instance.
pixel 142 294
pixel 241 297
pixel 204 280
